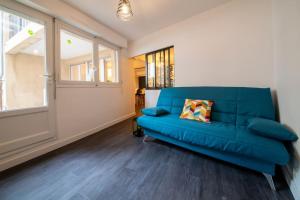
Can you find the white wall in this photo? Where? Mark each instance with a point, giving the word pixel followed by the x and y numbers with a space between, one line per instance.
pixel 82 109
pixel 230 45
pixel 287 74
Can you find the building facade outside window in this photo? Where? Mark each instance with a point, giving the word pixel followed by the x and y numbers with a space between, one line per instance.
pixel 22 62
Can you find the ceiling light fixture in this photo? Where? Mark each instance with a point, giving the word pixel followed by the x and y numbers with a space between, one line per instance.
pixel 124 11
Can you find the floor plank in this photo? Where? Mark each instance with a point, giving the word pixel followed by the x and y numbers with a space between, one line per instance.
pixel 113 164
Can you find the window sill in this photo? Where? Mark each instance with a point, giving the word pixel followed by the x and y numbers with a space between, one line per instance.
pixel 90 85
pixel 75 85
pixel 112 85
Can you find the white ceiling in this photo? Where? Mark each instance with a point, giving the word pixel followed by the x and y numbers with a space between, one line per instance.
pixel 149 15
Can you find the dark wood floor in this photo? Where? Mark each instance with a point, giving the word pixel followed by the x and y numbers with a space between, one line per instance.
pixel 115 165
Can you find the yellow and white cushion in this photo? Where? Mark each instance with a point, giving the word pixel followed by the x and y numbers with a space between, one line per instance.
pixel 199 110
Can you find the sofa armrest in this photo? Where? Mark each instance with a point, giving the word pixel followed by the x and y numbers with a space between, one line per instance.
pixel 271 129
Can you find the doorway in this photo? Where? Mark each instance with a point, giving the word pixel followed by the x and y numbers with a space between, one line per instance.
pixel 138 64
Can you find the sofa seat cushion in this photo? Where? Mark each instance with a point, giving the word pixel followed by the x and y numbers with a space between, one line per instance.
pixel 219 136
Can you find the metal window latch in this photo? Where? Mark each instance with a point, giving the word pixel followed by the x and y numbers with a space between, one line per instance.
pixel 48 76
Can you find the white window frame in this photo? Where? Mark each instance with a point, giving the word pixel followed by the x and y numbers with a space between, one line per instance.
pixel 60 25
pixel 47 21
pixel 117 50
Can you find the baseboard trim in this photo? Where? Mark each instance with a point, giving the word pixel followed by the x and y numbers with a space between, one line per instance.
pixel 293 186
pixel 291 174
pixel 45 148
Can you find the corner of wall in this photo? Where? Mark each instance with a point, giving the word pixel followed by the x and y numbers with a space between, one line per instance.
pixel 292 173
pixel 285 15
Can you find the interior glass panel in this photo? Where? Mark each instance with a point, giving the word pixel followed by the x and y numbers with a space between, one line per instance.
pixel 107 64
pixel 160 68
pixel 22 62
pixel 76 57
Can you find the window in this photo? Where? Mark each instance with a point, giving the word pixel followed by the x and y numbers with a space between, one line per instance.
pixel 76 55
pixel 84 58
pixel 160 68
pixel 22 62
pixel 107 64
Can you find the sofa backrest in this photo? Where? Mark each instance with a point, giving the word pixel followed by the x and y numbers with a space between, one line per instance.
pixel 234 105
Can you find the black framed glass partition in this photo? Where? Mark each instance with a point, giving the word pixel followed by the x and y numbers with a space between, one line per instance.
pixel 160 68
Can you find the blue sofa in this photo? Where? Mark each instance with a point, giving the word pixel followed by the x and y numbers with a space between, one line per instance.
pixel 227 137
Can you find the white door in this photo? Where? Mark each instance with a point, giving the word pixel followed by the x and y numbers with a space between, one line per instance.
pixel 27 112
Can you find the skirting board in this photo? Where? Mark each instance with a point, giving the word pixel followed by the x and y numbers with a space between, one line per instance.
pixel 45 148
pixel 292 175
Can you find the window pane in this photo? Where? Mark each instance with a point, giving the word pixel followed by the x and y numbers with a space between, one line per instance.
pixel 76 54
pixel 167 69
pixel 22 63
pixel 108 66
pixel 172 71
pixel 151 71
pixel 157 70
pixel 160 69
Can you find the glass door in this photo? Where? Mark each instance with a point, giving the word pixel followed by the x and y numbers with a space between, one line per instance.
pixel 26 74
pixel 23 62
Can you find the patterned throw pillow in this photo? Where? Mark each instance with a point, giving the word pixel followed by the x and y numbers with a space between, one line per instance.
pixel 199 110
